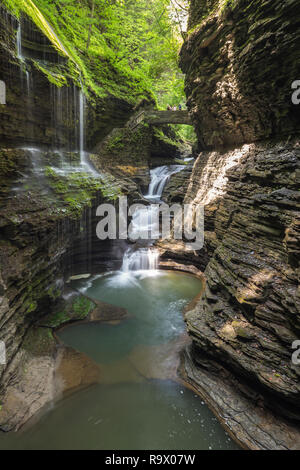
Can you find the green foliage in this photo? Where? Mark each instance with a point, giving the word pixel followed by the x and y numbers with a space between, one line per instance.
pixel 77 310
pixel 126 48
pixel 159 134
pixel 57 79
pixel 185 133
pixel 228 4
pixel 82 306
pixel 77 190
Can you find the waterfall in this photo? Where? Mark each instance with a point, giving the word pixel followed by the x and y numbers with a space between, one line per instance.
pixel 144 222
pixel 21 58
pixel 19 43
pixel 56 115
pixel 85 165
pixel 144 219
pixel 27 82
pixel 81 126
pixel 159 178
pixel 34 177
pixel 144 259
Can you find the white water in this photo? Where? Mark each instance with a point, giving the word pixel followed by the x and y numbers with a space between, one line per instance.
pixel 66 166
pixel 22 60
pixel 85 165
pixel 144 223
pixel 27 82
pixel 159 178
pixel 19 43
pixel 81 125
pixel 140 260
pixel 34 177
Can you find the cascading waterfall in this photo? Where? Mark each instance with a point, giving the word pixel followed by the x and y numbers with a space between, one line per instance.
pixel 58 112
pixel 28 86
pixel 81 126
pixel 27 82
pixel 147 258
pixel 159 178
pixel 19 43
pixel 144 259
pixel 86 166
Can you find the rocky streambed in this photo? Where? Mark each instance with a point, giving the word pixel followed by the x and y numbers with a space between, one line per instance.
pixel 132 356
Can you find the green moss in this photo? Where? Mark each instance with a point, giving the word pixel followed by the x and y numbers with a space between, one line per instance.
pixel 58 79
pixel 159 134
pixel 76 190
pixel 227 4
pixel 97 69
pixel 79 309
pixel 116 142
pixel 82 306
pixel 54 293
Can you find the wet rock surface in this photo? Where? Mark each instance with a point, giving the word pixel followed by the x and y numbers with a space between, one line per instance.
pixel 51 116
pixel 240 409
pixel 46 225
pixel 45 370
pixel 249 315
pixel 45 373
pixel 247 178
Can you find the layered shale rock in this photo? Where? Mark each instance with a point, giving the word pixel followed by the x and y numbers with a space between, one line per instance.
pixel 240 60
pixel 129 152
pixel 247 177
pixel 43 97
pixel 47 215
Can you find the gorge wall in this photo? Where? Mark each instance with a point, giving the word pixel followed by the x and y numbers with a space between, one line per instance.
pixel 240 59
pixel 47 201
pixel 63 151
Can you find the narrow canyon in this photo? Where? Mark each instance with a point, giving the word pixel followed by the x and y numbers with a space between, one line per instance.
pixel 91 326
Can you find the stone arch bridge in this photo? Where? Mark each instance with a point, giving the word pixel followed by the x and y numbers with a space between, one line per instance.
pixel 160 117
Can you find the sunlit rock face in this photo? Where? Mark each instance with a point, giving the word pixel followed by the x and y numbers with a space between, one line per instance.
pixel 240 61
pixel 249 315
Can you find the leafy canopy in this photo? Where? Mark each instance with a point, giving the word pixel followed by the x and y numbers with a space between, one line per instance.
pixel 127 48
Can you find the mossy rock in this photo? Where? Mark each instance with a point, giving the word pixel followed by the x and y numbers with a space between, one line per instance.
pixel 78 309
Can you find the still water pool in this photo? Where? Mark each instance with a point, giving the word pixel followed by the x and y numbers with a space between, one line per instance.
pixel 136 405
